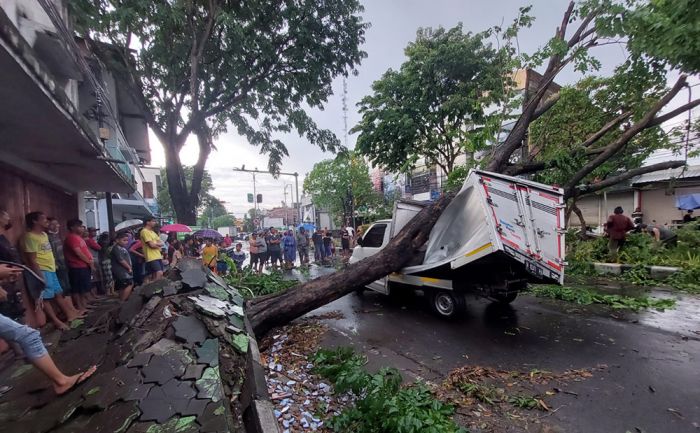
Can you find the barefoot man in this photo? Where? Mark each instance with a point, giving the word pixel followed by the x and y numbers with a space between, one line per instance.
pixel 29 340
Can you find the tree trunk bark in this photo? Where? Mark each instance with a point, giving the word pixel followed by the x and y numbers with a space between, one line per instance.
pixel 185 211
pixel 266 313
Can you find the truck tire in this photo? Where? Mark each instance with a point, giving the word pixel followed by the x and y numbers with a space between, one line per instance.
pixel 447 304
pixel 504 298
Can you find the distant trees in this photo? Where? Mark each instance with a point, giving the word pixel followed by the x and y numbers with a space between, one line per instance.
pixel 341 185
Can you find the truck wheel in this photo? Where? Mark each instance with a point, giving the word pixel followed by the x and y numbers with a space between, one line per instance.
pixel 447 304
pixel 505 298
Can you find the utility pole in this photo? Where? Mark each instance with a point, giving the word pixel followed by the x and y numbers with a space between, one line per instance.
pixel 255 200
pixel 256 171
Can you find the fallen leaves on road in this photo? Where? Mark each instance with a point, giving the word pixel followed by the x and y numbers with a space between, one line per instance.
pixel 487 396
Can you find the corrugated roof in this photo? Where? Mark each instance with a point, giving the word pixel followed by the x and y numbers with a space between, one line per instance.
pixel 688 172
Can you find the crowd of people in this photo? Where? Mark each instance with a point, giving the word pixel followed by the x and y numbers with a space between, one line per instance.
pixel 49 277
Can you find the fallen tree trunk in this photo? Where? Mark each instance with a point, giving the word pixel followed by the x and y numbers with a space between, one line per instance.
pixel 268 312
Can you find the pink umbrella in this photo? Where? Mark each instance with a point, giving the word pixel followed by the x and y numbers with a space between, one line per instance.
pixel 177 228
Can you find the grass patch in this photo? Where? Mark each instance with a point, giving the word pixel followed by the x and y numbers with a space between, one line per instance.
pixel 641 251
pixel 585 296
pixel 382 404
pixel 255 285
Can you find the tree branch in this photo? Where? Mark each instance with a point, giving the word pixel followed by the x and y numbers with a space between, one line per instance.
pixel 673 113
pixel 588 189
pixel 626 136
pixel 519 169
pixel 605 129
pixel 548 103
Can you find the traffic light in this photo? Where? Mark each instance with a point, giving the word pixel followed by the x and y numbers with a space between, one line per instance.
pixel 250 197
pixel 259 198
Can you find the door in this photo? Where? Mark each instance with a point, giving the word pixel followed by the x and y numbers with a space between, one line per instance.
pixel 376 237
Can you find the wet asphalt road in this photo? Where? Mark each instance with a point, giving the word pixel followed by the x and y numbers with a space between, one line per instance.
pixel 652 358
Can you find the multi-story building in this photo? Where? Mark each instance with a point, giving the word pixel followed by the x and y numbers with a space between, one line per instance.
pixel 68 131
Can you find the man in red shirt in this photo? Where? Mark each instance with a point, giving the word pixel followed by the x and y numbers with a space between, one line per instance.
pixel 80 263
pixel 617 227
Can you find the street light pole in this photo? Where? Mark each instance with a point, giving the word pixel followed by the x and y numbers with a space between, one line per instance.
pixel 296 181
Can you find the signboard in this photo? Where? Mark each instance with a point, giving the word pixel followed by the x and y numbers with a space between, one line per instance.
pixel 256 222
pixel 420 182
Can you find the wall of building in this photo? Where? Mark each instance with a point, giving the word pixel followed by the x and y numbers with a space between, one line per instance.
pixel 597 208
pixel 660 204
pixel 657 204
pixel 30 19
pixel 20 195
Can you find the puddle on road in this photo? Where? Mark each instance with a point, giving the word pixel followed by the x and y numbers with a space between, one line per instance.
pixel 683 319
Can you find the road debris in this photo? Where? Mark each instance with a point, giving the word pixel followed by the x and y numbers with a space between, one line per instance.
pixel 302 400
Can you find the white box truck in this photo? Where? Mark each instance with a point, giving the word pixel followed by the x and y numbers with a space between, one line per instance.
pixel 229 230
pixel 497 234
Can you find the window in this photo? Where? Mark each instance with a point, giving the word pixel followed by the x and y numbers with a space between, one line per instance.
pixel 374 237
pixel 148 190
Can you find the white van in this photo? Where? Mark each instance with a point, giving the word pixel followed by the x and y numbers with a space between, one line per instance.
pixel 497 234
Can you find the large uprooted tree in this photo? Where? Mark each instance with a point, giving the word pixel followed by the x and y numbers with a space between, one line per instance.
pixel 623 130
pixel 203 66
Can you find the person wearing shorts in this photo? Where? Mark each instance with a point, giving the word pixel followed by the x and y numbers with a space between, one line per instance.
pixel 262 252
pixel 274 247
pixel 30 343
pixel 152 244
pixel 253 246
pixel 39 256
pixel 121 267
pixel 80 263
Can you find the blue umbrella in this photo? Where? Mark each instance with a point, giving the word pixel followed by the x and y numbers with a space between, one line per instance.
pixel 688 201
pixel 208 233
pixel 310 228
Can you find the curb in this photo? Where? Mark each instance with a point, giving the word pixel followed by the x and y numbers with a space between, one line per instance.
pixel 656 272
pixel 258 415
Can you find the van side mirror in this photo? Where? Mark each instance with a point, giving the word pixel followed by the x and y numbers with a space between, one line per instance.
pixel 359 241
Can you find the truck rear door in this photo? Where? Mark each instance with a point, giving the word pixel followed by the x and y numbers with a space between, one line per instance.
pixel 529 220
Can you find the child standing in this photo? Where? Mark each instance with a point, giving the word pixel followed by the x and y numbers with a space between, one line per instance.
pixel 121 267
pixel 238 256
pixel 209 254
pixel 221 265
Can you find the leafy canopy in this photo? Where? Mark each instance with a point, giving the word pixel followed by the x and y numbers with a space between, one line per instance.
pixel 558 138
pixel 435 105
pixel 665 30
pixel 253 65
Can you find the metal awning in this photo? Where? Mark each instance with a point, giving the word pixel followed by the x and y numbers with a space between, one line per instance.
pixel 41 131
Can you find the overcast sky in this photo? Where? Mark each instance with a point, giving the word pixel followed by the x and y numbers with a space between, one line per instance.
pixel 393 26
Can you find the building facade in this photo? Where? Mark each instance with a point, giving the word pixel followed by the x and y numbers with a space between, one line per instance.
pixel 655 195
pixel 58 145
